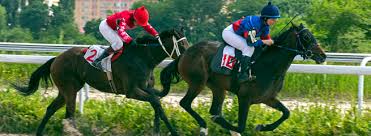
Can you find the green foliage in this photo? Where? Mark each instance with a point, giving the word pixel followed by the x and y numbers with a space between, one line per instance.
pixel 341 25
pixel 92 28
pixel 3 23
pixel 242 8
pixel 37 13
pixel 202 19
pixel 11 7
pixel 16 34
pixel 130 117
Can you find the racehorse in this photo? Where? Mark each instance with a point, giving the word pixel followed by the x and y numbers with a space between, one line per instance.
pixel 270 68
pixel 131 73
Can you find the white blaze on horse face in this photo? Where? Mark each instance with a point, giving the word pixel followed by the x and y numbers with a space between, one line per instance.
pixel 204 131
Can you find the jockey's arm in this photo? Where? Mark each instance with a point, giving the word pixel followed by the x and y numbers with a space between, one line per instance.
pixel 150 30
pixel 125 37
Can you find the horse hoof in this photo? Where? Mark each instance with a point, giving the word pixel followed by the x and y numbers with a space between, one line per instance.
pixel 259 127
pixel 203 132
pixel 233 133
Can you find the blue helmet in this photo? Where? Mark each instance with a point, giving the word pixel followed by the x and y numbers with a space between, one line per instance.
pixel 270 11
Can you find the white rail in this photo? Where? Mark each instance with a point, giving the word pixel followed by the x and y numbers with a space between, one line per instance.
pixel 39 47
pixel 361 81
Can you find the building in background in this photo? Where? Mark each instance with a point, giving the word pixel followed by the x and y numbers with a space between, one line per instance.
pixel 86 10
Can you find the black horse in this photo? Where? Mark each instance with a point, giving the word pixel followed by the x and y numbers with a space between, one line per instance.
pixel 131 73
pixel 270 68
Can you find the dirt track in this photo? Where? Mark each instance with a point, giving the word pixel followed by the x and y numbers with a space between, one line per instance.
pixel 174 99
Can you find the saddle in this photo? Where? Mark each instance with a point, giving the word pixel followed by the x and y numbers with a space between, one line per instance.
pixel 93 52
pixel 226 62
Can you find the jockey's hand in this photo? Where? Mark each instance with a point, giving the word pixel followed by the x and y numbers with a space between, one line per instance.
pixel 268 42
pixel 159 39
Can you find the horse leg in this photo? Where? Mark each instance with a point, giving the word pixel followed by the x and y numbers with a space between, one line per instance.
pixel 156 123
pixel 52 108
pixel 69 86
pixel 186 103
pixel 216 108
pixel 276 104
pixel 143 95
pixel 243 109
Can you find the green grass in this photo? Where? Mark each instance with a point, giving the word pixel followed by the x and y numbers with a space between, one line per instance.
pixel 130 117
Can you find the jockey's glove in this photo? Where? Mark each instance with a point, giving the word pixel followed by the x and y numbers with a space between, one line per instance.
pixel 159 39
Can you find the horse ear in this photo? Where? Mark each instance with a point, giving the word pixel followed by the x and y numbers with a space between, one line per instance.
pixel 182 29
pixel 301 25
pixel 294 25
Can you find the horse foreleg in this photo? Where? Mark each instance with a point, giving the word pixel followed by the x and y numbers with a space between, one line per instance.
pixel 243 110
pixel 143 95
pixel 216 109
pixel 276 104
pixel 186 104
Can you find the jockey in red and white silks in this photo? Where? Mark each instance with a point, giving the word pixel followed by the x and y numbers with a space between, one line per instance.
pixel 115 26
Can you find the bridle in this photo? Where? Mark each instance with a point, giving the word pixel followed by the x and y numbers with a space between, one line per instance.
pixel 175 46
pixel 300 48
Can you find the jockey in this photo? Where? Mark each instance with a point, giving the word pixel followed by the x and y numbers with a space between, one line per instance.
pixel 114 29
pixel 242 35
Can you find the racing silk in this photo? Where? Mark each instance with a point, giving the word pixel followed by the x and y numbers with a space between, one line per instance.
pixel 244 27
pixel 125 23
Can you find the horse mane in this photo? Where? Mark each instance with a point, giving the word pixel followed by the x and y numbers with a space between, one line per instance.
pixel 147 39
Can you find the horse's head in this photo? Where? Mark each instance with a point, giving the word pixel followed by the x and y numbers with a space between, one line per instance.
pixel 174 42
pixel 300 40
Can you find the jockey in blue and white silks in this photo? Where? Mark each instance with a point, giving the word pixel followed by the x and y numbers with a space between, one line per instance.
pixel 242 35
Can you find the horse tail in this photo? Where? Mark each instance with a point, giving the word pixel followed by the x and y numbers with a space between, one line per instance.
pixel 169 75
pixel 43 72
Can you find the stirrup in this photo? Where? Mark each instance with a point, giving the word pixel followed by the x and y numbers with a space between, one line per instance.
pixel 251 77
pixel 97 65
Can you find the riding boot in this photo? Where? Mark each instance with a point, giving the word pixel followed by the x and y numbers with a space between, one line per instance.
pixel 245 66
pixel 97 62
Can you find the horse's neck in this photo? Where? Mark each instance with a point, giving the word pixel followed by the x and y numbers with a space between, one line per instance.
pixel 151 55
pixel 275 61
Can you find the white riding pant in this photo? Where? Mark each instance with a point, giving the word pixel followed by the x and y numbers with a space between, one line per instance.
pixel 237 41
pixel 110 35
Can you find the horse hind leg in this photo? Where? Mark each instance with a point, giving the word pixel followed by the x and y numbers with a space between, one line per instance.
pixel 52 108
pixel 186 103
pixel 69 90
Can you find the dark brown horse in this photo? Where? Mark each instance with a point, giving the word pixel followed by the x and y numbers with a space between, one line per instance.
pixel 131 72
pixel 270 69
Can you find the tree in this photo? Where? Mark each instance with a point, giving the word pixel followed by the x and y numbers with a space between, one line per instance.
pixel 92 28
pixel 341 25
pixel 245 8
pixel 3 23
pixel 11 7
pixel 17 34
pixel 202 19
pixel 35 17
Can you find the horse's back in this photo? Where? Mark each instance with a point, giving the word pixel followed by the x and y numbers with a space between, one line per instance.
pixel 194 62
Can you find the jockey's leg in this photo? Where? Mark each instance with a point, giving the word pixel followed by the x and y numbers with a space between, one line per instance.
pixel 239 43
pixel 112 37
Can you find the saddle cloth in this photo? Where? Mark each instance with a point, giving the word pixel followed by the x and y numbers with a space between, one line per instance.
pixel 94 51
pixel 225 60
